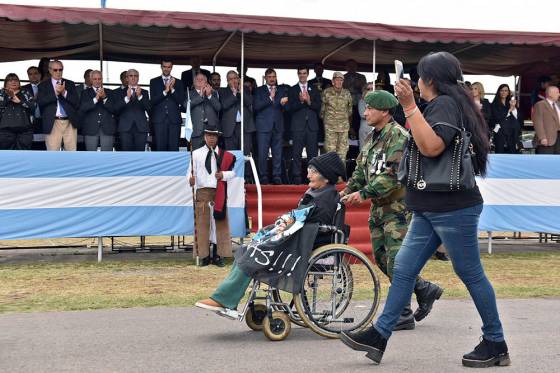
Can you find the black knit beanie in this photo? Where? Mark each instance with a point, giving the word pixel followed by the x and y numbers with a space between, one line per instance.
pixel 330 166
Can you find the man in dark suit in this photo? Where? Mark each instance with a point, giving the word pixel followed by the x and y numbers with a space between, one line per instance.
pixel 86 84
pixel 58 102
pixel 230 123
pixel 167 95
pixel 98 107
pixel 268 103
pixel 305 105
pixel 205 109
pixel 249 128
pixel 188 76
pixel 319 82
pixel 133 103
pixel 32 87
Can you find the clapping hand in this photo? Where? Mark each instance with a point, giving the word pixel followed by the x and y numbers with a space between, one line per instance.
pixel 138 91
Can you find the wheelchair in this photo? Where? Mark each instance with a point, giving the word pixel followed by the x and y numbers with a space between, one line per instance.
pixel 328 302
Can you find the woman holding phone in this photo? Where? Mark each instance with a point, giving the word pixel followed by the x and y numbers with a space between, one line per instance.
pixel 449 217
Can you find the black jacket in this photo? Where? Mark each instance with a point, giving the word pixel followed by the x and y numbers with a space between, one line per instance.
pixel 98 115
pixel 305 117
pixel 47 101
pixel 508 123
pixel 230 106
pixel 325 201
pixel 168 105
pixel 132 113
pixel 15 115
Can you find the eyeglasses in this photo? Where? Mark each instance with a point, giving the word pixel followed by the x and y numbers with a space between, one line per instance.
pixel 133 75
pixel 370 88
pixel 57 70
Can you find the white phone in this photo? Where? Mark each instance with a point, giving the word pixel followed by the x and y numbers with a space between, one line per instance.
pixel 399 69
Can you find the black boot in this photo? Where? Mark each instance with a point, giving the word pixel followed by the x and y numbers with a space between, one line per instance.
pixel 487 354
pixel 426 294
pixel 368 340
pixel 406 321
pixel 216 259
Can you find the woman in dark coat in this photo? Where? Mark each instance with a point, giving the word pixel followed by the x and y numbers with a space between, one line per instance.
pixel 16 105
pixel 505 121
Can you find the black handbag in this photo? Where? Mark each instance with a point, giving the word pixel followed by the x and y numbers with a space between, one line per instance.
pixel 452 170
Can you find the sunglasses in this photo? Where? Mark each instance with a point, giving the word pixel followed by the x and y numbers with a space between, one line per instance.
pixel 57 70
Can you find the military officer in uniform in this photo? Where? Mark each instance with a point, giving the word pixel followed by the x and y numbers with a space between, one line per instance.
pixel 375 178
pixel 336 111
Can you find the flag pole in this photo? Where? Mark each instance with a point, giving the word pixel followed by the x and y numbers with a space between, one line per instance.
pixel 195 236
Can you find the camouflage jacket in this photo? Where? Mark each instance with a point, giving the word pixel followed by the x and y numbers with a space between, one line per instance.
pixel 336 109
pixel 377 164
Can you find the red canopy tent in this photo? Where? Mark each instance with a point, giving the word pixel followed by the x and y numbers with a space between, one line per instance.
pixel 144 36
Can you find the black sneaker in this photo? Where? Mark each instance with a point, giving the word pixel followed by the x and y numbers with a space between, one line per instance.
pixel 426 294
pixel 368 340
pixel 218 261
pixel 487 354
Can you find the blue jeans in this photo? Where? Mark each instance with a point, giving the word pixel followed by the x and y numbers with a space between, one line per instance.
pixel 458 231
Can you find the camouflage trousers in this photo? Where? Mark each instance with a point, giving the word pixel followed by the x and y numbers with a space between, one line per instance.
pixel 336 142
pixel 388 225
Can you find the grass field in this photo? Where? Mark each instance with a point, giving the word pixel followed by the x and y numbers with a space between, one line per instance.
pixel 147 283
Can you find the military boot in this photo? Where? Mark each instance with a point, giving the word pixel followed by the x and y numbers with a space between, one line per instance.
pixel 406 320
pixel 426 294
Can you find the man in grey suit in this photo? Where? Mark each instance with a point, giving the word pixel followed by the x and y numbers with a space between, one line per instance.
pixel 230 123
pixel 205 108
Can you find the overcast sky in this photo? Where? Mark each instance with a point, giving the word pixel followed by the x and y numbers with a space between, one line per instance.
pixel 474 14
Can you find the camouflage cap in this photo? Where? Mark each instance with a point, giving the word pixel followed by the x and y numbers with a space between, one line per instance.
pixel 381 100
pixel 337 75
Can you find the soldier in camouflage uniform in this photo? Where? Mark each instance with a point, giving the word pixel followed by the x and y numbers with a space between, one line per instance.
pixel 336 111
pixel 375 178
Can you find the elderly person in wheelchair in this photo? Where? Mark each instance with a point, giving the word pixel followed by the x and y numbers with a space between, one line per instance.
pixel 323 173
pixel 305 255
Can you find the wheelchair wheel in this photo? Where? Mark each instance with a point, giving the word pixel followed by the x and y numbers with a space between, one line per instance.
pixel 255 317
pixel 277 327
pixel 340 291
pixel 289 308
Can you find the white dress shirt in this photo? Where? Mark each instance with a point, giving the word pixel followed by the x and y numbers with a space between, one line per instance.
pixel 202 178
pixel 554 105
pixel 168 79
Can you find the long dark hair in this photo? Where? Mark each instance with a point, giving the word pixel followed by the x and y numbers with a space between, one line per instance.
pixel 443 71
pixel 497 101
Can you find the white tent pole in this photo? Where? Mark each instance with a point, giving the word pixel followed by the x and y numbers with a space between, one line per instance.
pixel 241 86
pixel 373 62
pixel 101 49
pixel 99 249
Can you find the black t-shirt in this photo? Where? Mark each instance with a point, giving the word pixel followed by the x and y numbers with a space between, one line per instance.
pixel 442 109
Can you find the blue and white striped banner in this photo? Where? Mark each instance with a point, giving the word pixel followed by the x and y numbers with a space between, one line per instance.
pixel 86 194
pixel 521 194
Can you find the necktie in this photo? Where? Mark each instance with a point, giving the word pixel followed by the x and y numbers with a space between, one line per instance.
pixel 208 161
pixel 304 88
pixel 165 80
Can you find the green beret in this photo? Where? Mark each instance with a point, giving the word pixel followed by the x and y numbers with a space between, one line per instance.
pixel 381 100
